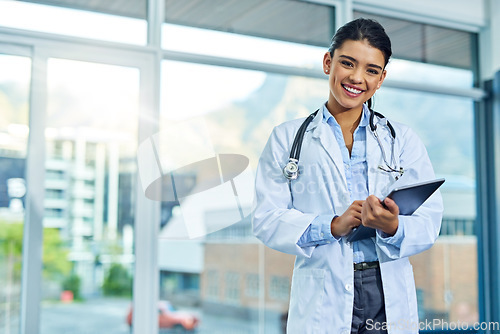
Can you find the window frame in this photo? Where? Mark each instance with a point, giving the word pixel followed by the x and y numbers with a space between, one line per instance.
pixel 41 46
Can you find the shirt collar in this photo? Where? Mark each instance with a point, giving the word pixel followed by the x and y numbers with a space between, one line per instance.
pixel 362 123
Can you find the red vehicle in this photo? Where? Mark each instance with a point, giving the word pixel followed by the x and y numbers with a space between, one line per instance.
pixel 169 318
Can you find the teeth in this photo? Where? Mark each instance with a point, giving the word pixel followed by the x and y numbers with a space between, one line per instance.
pixel 352 90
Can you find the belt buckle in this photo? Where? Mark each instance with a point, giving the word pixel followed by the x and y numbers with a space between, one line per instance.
pixel 365 265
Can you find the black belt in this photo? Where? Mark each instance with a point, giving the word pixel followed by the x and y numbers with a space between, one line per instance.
pixel 366 265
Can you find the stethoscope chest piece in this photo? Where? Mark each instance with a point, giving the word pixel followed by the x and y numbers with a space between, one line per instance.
pixel 291 170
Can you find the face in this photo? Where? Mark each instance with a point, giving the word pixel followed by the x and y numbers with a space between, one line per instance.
pixel 356 71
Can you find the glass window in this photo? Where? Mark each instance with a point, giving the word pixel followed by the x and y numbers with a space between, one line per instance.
pixel 212 285
pixel 91 143
pixel 233 290
pixel 255 30
pixel 429 74
pixel 230 45
pixel 426 43
pixel 446 274
pixel 252 285
pixel 260 18
pixel 224 111
pixel 14 106
pixel 81 21
pixel 279 288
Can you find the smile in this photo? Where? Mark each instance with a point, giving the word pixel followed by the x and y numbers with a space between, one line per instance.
pixel 352 90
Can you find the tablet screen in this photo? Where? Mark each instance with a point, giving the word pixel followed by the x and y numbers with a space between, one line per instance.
pixel 409 198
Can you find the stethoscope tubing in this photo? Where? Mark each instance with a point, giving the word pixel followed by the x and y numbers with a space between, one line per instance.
pixel 291 169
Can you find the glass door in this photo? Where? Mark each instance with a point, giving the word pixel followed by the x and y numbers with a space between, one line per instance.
pixel 90 172
pixel 14 106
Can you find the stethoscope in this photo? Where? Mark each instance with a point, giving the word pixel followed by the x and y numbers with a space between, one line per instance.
pixel 291 169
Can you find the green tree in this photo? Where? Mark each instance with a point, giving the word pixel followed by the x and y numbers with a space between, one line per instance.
pixel 55 254
pixel 117 282
pixel 72 283
pixel 11 247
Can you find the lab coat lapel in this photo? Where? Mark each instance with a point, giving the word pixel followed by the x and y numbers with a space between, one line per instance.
pixel 372 158
pixel 324 134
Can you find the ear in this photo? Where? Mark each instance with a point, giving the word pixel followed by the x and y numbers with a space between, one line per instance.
pixel 382 78
pixel 327 63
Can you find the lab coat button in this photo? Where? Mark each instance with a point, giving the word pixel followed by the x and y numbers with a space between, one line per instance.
pixel 348 287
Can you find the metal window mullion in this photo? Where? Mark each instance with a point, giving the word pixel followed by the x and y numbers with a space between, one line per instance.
pixel 35 180
pixel 156 16
pixel 15 49
pixel 488 190
pixel 147 212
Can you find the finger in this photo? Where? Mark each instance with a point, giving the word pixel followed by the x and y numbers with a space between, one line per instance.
pixel 374 201
pixel 357 215
pixel 367 212
pixel 368 205
pixel 357 205
pixel 377 206
pixel 391 206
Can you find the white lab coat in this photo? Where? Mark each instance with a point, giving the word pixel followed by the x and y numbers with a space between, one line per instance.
pixel 322 286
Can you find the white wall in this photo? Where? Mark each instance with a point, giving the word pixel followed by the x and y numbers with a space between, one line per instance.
pixel 181 255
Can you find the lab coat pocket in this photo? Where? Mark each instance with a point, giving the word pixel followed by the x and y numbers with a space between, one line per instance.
pixel 308 289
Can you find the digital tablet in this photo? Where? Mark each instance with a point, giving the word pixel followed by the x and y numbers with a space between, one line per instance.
pixel 408 198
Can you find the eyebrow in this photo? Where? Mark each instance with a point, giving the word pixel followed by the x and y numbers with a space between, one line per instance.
pixel 355 61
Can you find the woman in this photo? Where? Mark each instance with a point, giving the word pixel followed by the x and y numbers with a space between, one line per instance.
pixel 364 286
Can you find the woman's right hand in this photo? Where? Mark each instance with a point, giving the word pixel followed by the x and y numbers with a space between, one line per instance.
pixel 351 218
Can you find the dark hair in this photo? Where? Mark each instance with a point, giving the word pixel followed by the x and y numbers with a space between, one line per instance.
pixel 363 29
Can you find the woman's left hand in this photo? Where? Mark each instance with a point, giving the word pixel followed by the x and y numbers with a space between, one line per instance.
pixel 375 215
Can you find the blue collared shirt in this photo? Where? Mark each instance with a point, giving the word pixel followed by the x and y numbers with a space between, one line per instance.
pixel 356 172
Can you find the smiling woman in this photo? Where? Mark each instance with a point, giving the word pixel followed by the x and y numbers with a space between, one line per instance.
pixel 356 71
pixel 333 276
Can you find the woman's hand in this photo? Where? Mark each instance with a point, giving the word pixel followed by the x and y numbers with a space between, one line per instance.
pixel 375 215
pixel 351 218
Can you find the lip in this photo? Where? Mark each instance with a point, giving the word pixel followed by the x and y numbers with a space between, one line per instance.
pixel 352 91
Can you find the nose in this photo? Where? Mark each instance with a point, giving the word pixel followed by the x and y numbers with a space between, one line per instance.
pixel 356 76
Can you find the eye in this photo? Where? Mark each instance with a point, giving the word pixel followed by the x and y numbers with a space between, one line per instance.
pixel 346 63
pixel 373 71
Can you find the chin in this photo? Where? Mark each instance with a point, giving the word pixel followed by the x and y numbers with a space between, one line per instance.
pixel 351 105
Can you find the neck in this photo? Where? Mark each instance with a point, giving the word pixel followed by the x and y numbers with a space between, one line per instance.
pixel 347 118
